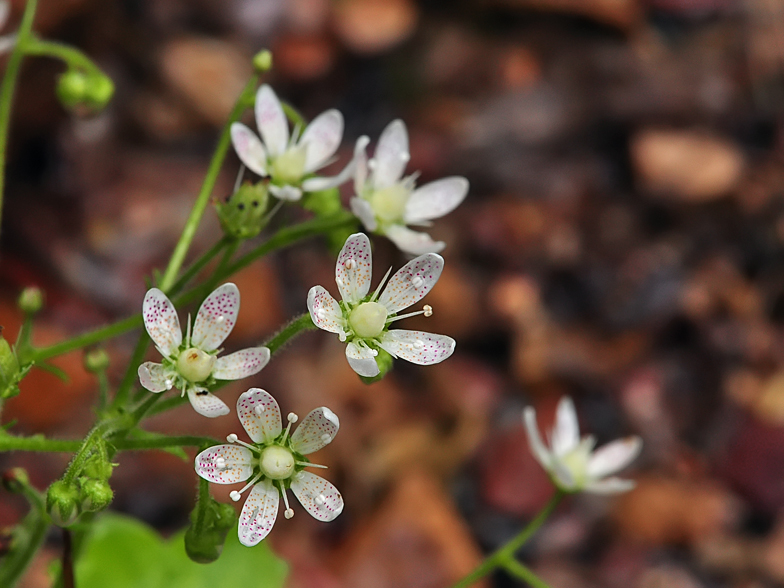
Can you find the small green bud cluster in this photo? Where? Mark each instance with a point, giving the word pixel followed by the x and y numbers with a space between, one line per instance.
pixel 96 360
pixel 31 300
pixel 243 214
pixel 78 90
pixel 67 498
pixel 207 532
pixel 62 503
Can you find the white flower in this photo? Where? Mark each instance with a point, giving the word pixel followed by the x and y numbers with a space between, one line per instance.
pixel 273 462
pixel 192 366
pixel 6 41
pixel 288 160
pixel 386 201
pixel 364 320
pixel 572 463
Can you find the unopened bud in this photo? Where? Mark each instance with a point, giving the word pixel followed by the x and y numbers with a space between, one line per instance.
pixel 96 360
pixel 96 495
pixel 204 544
pixel 243 214
pixel 100 89
pixel 62 503
pixel 262 61
pixel 31 300
pixel 78 89
pixel 72 88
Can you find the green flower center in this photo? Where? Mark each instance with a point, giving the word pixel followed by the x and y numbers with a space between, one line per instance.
pixel 389 204
pixel 368 320
pixel 195 365
pixel 276 462
pixel 289 166
pixel 576 461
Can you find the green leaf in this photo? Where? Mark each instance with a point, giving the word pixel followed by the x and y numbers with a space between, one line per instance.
pixel 122 552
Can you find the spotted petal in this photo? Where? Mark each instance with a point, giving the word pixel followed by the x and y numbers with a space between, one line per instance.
pixel 417 346
pixel 216 317
pixel 354 268
pixel 154 377
pixel 613 457
pixel 161 321
pixel 319 497
pixel 391 156
pixel 364 212
pixel 249 149
pixel 322 138
pixel 315 431
pixel 566 432
pixel 411 282
pixel 259 414
pixel 241 364
pixel 206 403
pixel 259 513
pixel 225 464
pixel 271 120
pixel 413 242
pixel 325 311
pixel 362 360
pixel 435 199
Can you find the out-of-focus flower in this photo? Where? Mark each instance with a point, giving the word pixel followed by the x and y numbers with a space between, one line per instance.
pixel 363 320
pixel 274 462
pixel 6 41
pixel 289 160
pixel 572 463
pixel 192 365
pixel 386 201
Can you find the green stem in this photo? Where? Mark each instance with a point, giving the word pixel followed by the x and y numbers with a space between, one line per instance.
pixel 87 446
pixel 521 572
pixel 130 377
pixel 87 339
pixel 103 390
pixel 28 537
pixel 198 265
pixel 70 55
pixel 294 328
pixel 163 442
pixel 37 443
pixel 8 87
pixel 506 553
pixel 181 249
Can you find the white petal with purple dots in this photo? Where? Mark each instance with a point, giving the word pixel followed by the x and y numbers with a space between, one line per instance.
pixel 315 431
pixel 161 321
pixel 417 346
pixel 319 497
pixel 216 317
pixel 259 414
pixel 412 282
pixel 225 464
pixel 241 364
pixel 258 513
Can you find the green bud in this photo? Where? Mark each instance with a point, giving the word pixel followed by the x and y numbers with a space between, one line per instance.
pixel 10 371
pixel 99 91
pixel 204 543
pixel 31 300
pixel 62 503
pixel 72 88
pixel 243 214
pixel 384 362
pixel 96 360
pixel 15 479
pixel 96 495
pixel 262 61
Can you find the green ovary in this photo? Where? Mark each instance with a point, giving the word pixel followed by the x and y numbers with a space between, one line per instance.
pixel 368 319
pixel 289 167
pixel 576 461
pixel 276 462
pixel 389 204
pixel 195 365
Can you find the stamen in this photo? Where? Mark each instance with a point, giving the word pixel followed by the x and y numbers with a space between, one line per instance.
pixel 380 285
pixel 238 181
pixel 235 496
pixel 188 333
pixel 289 512
pixel 292 418
pixel 233 439
pixel 427 310
pixel 307 464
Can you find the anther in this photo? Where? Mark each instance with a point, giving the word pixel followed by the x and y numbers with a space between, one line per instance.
pixel 292 418
pixel 235 496
pixel 288 513
pixel 168 384
pixel 232 438
pixel 307 464
pixel 428 310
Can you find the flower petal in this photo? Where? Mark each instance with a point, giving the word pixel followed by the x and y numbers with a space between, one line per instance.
pixel 216 317
pixel 325 311
pixel 613 457
pixel 271 120
pixel 241 364
pixel 566 433
pixel 225 464
pixel 259 414
pixel 361 161
pixel 412 282
pixel 161 321
pixel 535 442
pixel 249 149
pixel 287 193
pixel 391 156
pixel 206 403
pixel 413 242
pixel 417 346
pixel 5 11
pixel 362 360
pixel 364 212
pixel 259 513
pixel 7 42
pixel 315 431
pixel 435 199
pixel 319 497
pixel 154 377
pixel 322 138
pixel 609 486
pixel 354 268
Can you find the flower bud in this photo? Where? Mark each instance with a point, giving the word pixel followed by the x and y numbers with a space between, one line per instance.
pixel 99 91
pixel 77 89
pixel 384 362
pixel 96 360
pixel 262 61
pixel 62 503
pixel 96 495
pixel 31 300
pixel 72 88
pixel 204 543
pixel 10 372
pixel 243 214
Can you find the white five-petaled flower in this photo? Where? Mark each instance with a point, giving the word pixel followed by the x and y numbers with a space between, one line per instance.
pixel 192 365
pixel 572 463
pixel 363 320
pixel 289 160
pixel 274 462
pixel 386 201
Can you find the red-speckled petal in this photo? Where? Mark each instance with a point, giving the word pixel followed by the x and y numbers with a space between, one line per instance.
pixel 259 513
pixel 161 322
pixel 249 149
pixel 225 464
pixel 315 431
pixel 319 497
pixel 259 414
pixel 207 404
pixel 354 268
pixel 325 311
pixel 271 120
pixel 216 318
pixel 241 364
pixel 412 282
pixel 418 347
pixel 154 377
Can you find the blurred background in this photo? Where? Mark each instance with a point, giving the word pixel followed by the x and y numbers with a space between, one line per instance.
pixel 622 242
